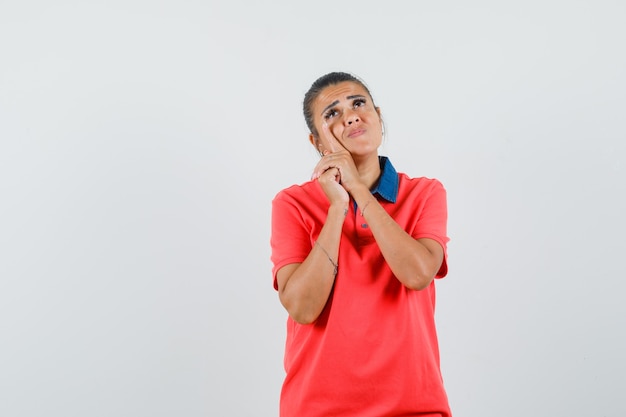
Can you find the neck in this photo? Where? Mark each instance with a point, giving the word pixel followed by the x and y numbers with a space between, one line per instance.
pixel 369 170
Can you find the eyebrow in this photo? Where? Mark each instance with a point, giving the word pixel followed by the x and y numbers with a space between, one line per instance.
pixel 334 103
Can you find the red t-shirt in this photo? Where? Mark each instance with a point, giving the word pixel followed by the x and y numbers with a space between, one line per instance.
pixel 373 350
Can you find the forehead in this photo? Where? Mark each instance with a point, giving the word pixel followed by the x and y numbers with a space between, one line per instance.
pixel 338 92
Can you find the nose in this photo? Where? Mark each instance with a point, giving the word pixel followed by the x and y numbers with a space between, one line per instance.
pixel 351 117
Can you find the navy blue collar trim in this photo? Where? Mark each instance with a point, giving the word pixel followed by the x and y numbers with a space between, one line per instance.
pixel 387 186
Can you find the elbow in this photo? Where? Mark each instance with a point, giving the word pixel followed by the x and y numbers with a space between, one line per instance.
pixel 418 283
pixel 417 274
pixel 298 313
pixel 303 319
pixel 302 316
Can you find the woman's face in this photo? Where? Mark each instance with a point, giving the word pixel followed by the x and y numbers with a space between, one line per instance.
pixel 347 110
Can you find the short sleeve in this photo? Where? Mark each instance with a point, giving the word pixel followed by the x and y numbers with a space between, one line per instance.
pixel 290 239
pixel 432 220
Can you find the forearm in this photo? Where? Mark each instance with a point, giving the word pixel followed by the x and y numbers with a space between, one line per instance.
pixel 307 287
pixel 412 262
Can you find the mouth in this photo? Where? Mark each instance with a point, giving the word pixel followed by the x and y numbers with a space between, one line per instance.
pixel 356 132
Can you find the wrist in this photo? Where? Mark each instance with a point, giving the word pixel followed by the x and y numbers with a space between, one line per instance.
pixel 339 210
pixel 361 194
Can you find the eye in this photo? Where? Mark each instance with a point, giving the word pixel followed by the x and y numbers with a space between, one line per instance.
pixel 330 113
pixel 359 102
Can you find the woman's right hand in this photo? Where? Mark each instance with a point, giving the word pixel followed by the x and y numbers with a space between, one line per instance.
pixel 330 182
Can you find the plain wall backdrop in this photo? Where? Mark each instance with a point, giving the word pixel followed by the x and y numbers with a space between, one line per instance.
pixel 141 144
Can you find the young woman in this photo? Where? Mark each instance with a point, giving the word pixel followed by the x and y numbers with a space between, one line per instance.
pixel 355 251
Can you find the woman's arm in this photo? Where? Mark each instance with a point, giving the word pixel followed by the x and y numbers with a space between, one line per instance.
pixel 304 288
pixel 414 262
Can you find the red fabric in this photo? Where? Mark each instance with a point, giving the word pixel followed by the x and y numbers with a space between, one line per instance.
pixel 373 351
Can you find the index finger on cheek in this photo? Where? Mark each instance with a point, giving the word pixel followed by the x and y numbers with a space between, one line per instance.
pixel 332 142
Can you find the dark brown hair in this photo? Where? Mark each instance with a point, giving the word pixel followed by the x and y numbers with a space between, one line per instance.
pixel 321 83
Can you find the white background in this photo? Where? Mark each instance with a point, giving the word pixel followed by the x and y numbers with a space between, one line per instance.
pixel 141 143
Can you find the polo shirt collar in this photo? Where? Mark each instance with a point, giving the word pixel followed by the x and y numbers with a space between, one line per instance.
pixel 387 186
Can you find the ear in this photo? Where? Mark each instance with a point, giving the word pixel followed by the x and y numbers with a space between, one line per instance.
pixel 378 111
pixel 315 141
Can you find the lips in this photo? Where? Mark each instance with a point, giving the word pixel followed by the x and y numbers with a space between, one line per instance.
pixel 356 132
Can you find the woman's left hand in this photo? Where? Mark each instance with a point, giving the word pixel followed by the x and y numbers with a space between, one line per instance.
pixel 336 156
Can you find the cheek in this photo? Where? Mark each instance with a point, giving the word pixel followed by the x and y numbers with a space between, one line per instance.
pixel 336 128
pixel 333 127
pixel 337 132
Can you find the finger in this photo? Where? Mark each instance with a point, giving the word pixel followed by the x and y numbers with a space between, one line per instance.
pixel 331 174
pixel 321 167
pixel 333 144
pixel 320 170
pixel 338 176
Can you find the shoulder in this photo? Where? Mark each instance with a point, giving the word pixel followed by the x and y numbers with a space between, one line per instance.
pixel 303 202
pixel 414 184
pixel 299 192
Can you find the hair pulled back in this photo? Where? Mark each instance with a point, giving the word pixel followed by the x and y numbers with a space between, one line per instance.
pixel 320 84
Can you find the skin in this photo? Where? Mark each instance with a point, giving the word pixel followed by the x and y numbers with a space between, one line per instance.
pixel 350 133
